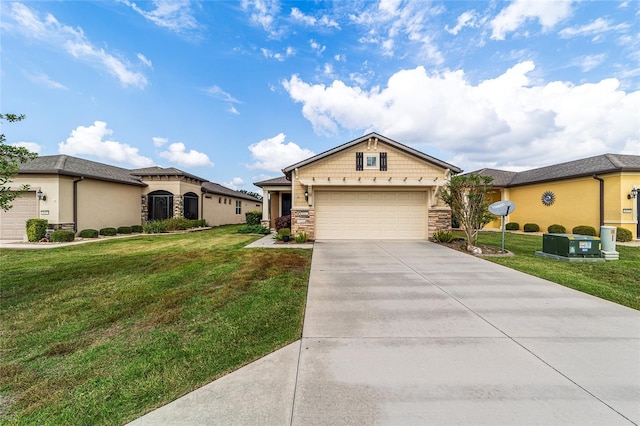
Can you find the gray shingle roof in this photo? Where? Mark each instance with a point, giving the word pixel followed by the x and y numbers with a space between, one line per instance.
pixel 162 171
pixel 78 167
pixel 600 164
pixel 279 181
pixel 214 188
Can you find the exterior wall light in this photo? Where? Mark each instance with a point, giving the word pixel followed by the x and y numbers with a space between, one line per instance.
pixel 306 195
pixel 634 194
pixel 41 195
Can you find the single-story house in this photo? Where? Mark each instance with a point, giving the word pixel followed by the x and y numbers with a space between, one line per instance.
pixel 369 188
pixel 73 193
pixel 594 191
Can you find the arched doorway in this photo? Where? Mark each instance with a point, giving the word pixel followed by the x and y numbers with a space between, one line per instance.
pixel 190 205
pixel 160 205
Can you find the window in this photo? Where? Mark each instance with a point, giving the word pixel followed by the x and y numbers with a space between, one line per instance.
pixel 238 207
pixel 190 206
pixel 219 200
pixel 371 161
pixel 160 205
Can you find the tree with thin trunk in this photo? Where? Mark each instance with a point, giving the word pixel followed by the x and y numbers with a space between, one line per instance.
pixel 469 199
pixel 11 157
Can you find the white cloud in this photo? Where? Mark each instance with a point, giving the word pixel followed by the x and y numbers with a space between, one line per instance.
pixel 289 51
pixel 547 12
pixel 340 58
pixel 177 153
pixel 218 93
pixel 158 141
pixel 596 27
pixel 174 15
pixel 496 120
pixel 146 61
pixel 44 80
pixel 317 46
pixel 589 62
pixel 89 141
pixel 73 41
pixel 466 19
pixel 31 146
pixel 235 183
pixel 274 154
pixel 233 110
pixel 263 13
pixel 311 21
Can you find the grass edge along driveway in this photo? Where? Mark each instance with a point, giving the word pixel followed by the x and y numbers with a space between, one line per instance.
pixel 102 333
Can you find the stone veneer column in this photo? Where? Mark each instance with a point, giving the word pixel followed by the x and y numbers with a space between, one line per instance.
pixel 439 218
pixel 144 210
pixel 303 221
pixel 177 206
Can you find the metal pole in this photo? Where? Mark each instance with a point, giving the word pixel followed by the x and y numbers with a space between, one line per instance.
pixel 502 234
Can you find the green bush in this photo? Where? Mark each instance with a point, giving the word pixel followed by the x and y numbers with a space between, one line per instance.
pixel 442 236
pixel 623 235
pixel 154 227
pixel 124 230
pixel 253 217
pixel 302 237
pixel 282 233
pixel 512 226
pixel 556 229
pixel 62 236
pixel 88 233
pixel 531 227
pixel 136 228
pixel 584 230
pixel 109 232
pixel 254 229
pixel 36 229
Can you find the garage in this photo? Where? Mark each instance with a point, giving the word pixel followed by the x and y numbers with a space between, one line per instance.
pixel 371 215
pixel 13 222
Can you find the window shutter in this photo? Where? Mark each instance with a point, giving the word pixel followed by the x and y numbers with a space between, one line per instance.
pixel 383 161
pixel 359 161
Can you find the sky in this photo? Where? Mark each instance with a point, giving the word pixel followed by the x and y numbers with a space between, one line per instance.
pixel 234 91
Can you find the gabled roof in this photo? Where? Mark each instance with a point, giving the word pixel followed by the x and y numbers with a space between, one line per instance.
pixel 600 164
pixel 398 145
pixel 214 188
pixel 72 166
pixel 279 181
pixel 162 171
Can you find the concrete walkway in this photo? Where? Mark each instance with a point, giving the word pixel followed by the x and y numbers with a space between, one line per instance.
pixel 406 333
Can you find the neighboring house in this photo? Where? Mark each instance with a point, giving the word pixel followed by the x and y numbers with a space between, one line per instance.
pixel 81 194
pixel 369 188
pixel 592 191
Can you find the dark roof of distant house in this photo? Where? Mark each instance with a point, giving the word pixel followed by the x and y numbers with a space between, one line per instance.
pixel 162 171
pixel 77 167
pixel 214 188
pixel 381 138
pixel 279 181
pixel 600 164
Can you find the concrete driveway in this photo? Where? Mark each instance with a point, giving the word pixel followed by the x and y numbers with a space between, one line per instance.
pixel 408 333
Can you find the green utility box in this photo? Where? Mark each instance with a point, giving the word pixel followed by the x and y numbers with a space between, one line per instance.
pixel 571 245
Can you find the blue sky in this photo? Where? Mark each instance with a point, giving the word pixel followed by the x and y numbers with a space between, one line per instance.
pixel 235 91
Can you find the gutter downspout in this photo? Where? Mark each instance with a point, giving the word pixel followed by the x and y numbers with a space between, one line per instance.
pixel 75 203
pixel 596 177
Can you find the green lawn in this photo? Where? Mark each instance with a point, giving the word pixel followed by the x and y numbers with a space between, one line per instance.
pixel 102 333
pixel 617 281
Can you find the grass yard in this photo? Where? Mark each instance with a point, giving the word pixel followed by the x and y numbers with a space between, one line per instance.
pixel 104 332
pixel 617 281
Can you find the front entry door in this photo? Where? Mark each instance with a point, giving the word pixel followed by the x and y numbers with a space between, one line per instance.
pixel 286 204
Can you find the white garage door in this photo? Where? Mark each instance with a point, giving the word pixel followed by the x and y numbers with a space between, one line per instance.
pixel 370 215
pixel 13 222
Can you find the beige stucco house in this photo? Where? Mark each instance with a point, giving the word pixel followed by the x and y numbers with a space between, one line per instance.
pixel 73 193
pixel 369 188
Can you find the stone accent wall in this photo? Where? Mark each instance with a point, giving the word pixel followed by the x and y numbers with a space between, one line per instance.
pixel 266 223
pixel 303 220
pixel 177 206
pixel 144 210
pixel 439 218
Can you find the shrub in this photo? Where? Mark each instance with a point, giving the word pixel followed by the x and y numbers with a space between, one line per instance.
pixel 253 217
pixel 62 236
pixel 254 229
pixel 154 227
pixel 198 223
pixel 109 232
pixel 623 235
pixel 36 229
pixel 88 233
pixel 282 233
pixel 124 230
pixel 442 236
pixel 512 226
pixel 531 227
pixel 302 237
pixel 283 222
pixel 556 229
pixel 177 224
pixel 584 230
pixel 136 228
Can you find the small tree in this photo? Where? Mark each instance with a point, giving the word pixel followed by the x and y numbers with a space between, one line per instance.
pixel 468 197
pixel 11 157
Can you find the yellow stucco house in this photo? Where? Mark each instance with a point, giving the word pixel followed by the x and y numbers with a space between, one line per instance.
pixel 73 193
pixel 369 188
pixel 594 191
